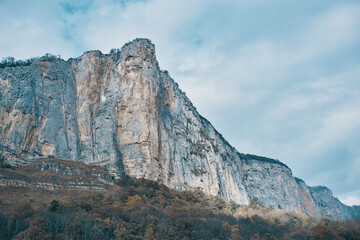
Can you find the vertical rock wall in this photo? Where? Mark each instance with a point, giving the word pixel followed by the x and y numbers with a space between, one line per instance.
pixel 120 111
pixel 38 111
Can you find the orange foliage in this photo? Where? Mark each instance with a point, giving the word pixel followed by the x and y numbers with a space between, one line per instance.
pixel 132 200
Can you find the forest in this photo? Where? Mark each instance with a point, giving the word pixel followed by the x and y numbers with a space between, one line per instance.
pixel 143 209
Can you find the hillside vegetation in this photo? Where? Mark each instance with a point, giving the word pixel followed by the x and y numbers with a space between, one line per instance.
pixel 143 209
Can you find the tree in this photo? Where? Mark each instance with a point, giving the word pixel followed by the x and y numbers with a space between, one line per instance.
pixel 132 200
pixel 36 231
pixel 126 231
pixel 321 232
pixel 150 234
pixel 54 206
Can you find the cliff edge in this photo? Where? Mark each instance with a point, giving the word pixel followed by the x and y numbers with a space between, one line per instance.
pixel 121 112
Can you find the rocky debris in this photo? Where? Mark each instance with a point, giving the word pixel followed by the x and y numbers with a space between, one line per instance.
pixel 56 174
pixel 121 112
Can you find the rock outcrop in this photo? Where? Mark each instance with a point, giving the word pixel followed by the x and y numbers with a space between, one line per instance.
pixel 56 175
pixel 121 112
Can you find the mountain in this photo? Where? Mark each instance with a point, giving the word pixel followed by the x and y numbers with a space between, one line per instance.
pixel 121 112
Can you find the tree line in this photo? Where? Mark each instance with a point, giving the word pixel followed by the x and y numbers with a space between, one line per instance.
pixel 143 209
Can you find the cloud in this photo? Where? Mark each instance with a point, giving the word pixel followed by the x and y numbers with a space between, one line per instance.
pixel 351 200
pixel 297 96
pixel 276 78
pixel 31 29
pixel 330 32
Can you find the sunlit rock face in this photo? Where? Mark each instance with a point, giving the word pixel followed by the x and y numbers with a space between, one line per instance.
pixel 121 112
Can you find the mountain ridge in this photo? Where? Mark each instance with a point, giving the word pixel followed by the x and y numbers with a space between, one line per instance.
pixel 121 112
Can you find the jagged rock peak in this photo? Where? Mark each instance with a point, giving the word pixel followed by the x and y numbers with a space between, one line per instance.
pixel 140 47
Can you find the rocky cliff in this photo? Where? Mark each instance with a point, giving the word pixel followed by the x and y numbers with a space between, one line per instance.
pixel 121 112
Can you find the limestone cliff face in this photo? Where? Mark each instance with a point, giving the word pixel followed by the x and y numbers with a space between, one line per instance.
pixel 331 206
pixel 121 112
pixel 274 184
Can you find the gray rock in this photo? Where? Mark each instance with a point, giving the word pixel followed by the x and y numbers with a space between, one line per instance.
pixel 121 112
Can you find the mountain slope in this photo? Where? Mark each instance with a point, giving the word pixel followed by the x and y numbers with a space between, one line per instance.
pixel 121 112
pixel 139 209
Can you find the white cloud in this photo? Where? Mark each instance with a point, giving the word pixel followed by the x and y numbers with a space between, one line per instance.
pixel 351 200
pixel 330 32
pixel 353 166
pixel 284 85
pixel 31 29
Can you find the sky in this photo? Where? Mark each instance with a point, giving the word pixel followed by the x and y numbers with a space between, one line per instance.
pixel 277 78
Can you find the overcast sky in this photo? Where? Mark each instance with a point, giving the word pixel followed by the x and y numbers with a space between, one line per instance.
pixel 277 78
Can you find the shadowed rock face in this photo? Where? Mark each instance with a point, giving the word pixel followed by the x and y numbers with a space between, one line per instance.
pixel 121 112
